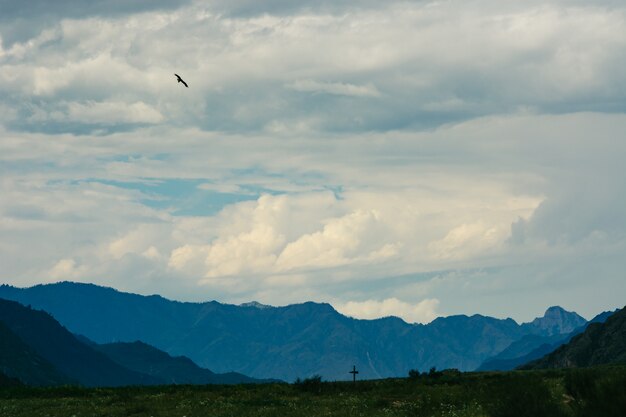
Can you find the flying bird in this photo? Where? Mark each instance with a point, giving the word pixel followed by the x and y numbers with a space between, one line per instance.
pixel 180 80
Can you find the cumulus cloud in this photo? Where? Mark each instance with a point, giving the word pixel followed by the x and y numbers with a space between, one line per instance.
pixel 67 269
pixel 424 311
pixel 341 241
pixel 253 234
pixel 143 240
pixel 316 231
pixel 467 240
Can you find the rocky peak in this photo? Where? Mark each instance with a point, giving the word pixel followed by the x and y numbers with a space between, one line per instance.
pixel 557 320
pixel 255 304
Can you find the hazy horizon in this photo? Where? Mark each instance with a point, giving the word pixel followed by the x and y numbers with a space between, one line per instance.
pixel 408 158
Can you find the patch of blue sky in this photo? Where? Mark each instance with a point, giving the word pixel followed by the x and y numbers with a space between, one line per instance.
pixel 337 191
pixel 206 197
pixel 261 181
pixel 182 197
pixel 259 172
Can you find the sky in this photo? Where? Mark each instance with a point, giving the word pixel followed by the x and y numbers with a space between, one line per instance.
pixel 410 158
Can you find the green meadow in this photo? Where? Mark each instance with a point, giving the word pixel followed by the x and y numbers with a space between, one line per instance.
pixel 577 392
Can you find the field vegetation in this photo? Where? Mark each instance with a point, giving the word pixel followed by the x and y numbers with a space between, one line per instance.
pixel 597 391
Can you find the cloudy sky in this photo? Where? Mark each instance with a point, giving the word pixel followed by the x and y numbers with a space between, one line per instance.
pixel 411 158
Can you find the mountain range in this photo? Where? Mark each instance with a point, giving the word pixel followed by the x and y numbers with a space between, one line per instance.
pixel 56 353
pixel 6 381
pixel 534 346
pixel 288 342
pixel 38 350
pixel 600 344
pixel 18 360
pixel 145 359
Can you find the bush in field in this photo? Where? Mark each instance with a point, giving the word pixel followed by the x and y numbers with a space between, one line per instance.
pixel 433 376
pixel 522 396
pixel 609 399
pixel 414 374
pixel 311 384
pixel 597 393
pixel 580 383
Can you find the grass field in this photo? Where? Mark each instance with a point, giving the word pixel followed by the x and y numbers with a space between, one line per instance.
pixel 584 392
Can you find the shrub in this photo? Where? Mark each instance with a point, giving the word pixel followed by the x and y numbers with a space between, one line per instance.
pixel 414 374
pixel 522 396
pixel 597 393
pixel 311 384
pixel 580 383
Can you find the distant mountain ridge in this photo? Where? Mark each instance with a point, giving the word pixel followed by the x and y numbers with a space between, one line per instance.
pixel 7 381
pixel 281 342
pixel 600 344
pixel 67 359
pixel 37 350
pixel 521 351
pixel 556 321
pixel 533 346
pixel 143 358
pixel 20 361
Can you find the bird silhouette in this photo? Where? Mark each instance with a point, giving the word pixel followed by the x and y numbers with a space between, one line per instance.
pixel 180 80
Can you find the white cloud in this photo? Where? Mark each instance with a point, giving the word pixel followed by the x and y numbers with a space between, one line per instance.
pixel 247 252
pixel 67 270
pixel 144 240
pixel 113 113
pixel 318 232
pixel 424 311
pixel 343 240
pixel 499 56
pixel 410 203
pixel 469 240
pixel 341 89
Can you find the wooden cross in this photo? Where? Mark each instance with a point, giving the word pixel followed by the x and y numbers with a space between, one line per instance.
pixel 353 372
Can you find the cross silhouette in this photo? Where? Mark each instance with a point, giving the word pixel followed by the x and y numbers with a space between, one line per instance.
pixel 353 372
